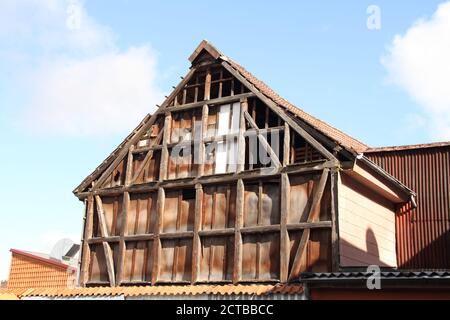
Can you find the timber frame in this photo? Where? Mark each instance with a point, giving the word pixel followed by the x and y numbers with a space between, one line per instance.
pixel 118 181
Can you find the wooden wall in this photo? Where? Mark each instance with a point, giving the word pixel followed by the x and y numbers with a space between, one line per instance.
pixel 366 226
pixel 179 207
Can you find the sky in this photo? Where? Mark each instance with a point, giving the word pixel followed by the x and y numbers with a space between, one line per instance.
pixel 77 76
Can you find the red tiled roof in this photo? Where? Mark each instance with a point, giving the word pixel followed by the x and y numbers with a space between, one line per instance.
pixel 330 131
pixel 164 290
pixel 31 270
pixel 42 258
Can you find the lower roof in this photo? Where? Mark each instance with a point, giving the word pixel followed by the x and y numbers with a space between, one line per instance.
pixel 162 290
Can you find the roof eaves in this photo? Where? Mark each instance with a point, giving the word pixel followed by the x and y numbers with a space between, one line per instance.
pixel 41 259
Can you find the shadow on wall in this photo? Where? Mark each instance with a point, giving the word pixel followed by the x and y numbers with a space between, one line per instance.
pixel 352 256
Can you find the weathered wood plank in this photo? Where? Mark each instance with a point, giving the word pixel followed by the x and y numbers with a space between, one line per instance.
pixel 217 179
pixel 122 245
pixel 148 156
pixel 211 102
pixel 101 218
pixel 281 113
pixel 284 236
pixel 136 136
pixel 109 263
pixel 196 245
pixel 263 141
pixel 286 145
pixel 157 242
pixel 165 158
pixel 87 234
pixel 241 139
pixel 237 268
pixel 335 256
pixel 208 84
pixel 312 217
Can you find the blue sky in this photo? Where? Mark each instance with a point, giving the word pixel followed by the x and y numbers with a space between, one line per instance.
pixel 77 76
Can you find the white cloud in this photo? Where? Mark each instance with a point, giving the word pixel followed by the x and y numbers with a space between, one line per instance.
pixel 418 62
pixel 77 81
pixel 99 95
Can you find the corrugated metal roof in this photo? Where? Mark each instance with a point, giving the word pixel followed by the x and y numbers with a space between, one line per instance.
pixel 165 290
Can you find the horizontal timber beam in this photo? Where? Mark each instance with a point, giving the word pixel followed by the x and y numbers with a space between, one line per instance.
pixel 214 179
pixel 215 232
pixel 211 102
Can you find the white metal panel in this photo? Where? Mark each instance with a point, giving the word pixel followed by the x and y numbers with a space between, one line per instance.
pixel 224 119
pixel 235 118
pixel 221 158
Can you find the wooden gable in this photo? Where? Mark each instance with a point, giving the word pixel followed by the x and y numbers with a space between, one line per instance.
pixel 218 185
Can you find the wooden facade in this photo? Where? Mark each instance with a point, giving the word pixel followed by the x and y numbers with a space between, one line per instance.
pixel 220 185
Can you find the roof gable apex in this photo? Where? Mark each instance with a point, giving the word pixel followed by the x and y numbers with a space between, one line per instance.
pixel 205 46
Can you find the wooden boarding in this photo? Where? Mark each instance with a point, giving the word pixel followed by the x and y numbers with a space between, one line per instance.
pixel 170 218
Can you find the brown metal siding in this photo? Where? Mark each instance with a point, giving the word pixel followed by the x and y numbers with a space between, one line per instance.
pixel 423 234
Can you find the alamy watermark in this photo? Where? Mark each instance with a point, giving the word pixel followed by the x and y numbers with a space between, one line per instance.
pixel 262 148
pixel 374 19
pixel 374 280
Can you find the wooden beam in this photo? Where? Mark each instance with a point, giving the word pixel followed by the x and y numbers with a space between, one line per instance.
pixel 87 234
pixel 216 179
pixel 196 244
pixel 156 252
pixel 109 263
pixel 263 141
pixel 210 102
pixel 281 113
pixel 104 234
pixel 286 145
pixel 208 84
pixel 148 156
pixel 165 157
pixel 129 166
pixel 101 217
pixel 136 135
pixel 335 255
pixel 201 149
pixel 122 244
pixel 241 138
pixel 285 190
pixel 312 217
pixel 240 195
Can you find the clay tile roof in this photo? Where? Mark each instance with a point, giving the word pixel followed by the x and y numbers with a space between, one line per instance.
pixel 335 134
pixel 167 290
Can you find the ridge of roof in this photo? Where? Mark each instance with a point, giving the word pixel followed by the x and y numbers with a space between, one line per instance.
pixel 408 147
pixel 42 258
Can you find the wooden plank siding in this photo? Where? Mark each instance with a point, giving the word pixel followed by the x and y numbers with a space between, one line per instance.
pixel 366 226
pixel 171 213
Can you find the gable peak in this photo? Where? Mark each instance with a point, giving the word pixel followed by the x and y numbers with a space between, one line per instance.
pixel 206 47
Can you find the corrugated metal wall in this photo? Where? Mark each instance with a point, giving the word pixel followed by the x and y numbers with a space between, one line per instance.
pixel 423 234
